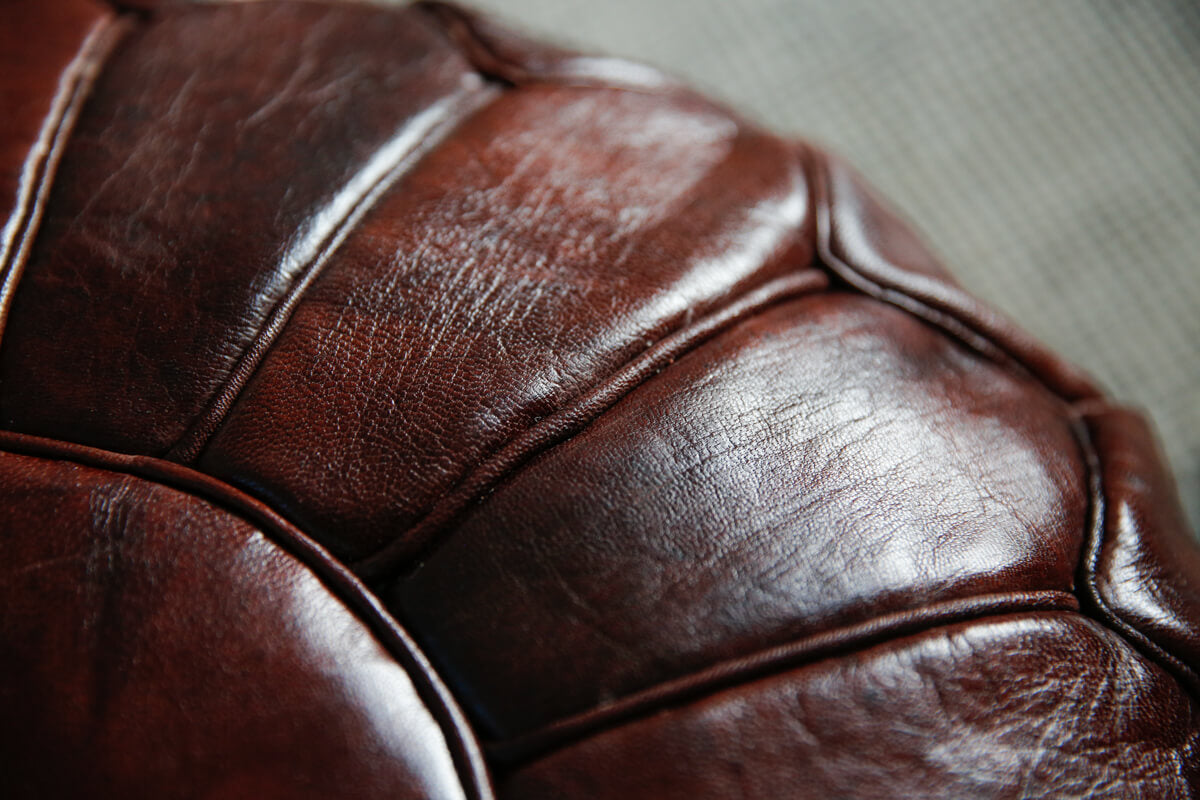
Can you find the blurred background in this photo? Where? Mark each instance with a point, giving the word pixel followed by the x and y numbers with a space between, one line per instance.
pixel 1049 150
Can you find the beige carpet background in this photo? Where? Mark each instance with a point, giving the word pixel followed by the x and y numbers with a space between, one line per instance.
pixel 1048 149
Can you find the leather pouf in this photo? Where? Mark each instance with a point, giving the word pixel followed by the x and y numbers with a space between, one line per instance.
pixel 396 408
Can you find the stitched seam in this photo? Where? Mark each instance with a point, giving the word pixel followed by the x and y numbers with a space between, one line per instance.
pixel 573 418
pixel 837 643
pixel 980 341
pixel 947 321
pixel 458 108
pixel 41 164
pixel 355 597
pixel 1089 567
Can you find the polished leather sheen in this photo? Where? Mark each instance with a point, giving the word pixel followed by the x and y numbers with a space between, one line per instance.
pixel 391 406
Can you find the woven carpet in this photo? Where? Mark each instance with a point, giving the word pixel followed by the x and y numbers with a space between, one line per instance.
pixel 1049 150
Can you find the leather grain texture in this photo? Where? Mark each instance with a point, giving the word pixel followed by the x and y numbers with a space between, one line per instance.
pixel 730 504
pixel 1045 150
pixel 393 406
pixel 564 283
pixel 188 115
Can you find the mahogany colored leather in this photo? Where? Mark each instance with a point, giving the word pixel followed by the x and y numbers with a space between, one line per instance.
pixel 208 161
pixel 1142 571
pixel 760 491
pixel 1035 705
pixel 566 200
pixel 49 57
pixel 392 406
pixel 155 641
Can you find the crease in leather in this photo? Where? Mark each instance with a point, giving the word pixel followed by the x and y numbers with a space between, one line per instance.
pixel 41 164
pixel 833 643
pixel 576 416
pixel 1094 601
pixel 396 159
pixel 988 341
pixel 357 598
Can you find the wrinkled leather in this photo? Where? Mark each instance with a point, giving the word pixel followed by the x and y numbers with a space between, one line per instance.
pixel 190 111
pixel 760 491
pixel 392 406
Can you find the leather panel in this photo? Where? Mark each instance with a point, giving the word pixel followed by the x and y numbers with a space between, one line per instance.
pixel 158 646
pixel 826 462
pixel 558 234
pixel 205 178
pixel 1047 705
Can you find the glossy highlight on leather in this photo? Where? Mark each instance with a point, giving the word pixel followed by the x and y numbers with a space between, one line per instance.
pixel 394 406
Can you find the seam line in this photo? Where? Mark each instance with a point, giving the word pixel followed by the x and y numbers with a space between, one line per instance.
pixel 948 319
pixel 1095 602
pixel 41 164
pixel 983 342
pixel 316 246
pixel 577 415
pixel 357 598
pixel 817 647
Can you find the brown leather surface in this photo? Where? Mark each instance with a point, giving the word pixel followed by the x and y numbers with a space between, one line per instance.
pixel 1047 705
pixel 159 646
pixel 664 448
pixel 41 41
pixel 555 261
pixel 50 54
pixel 862 241
pixel 1143 570
pixel 760 490
pixel 205 182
